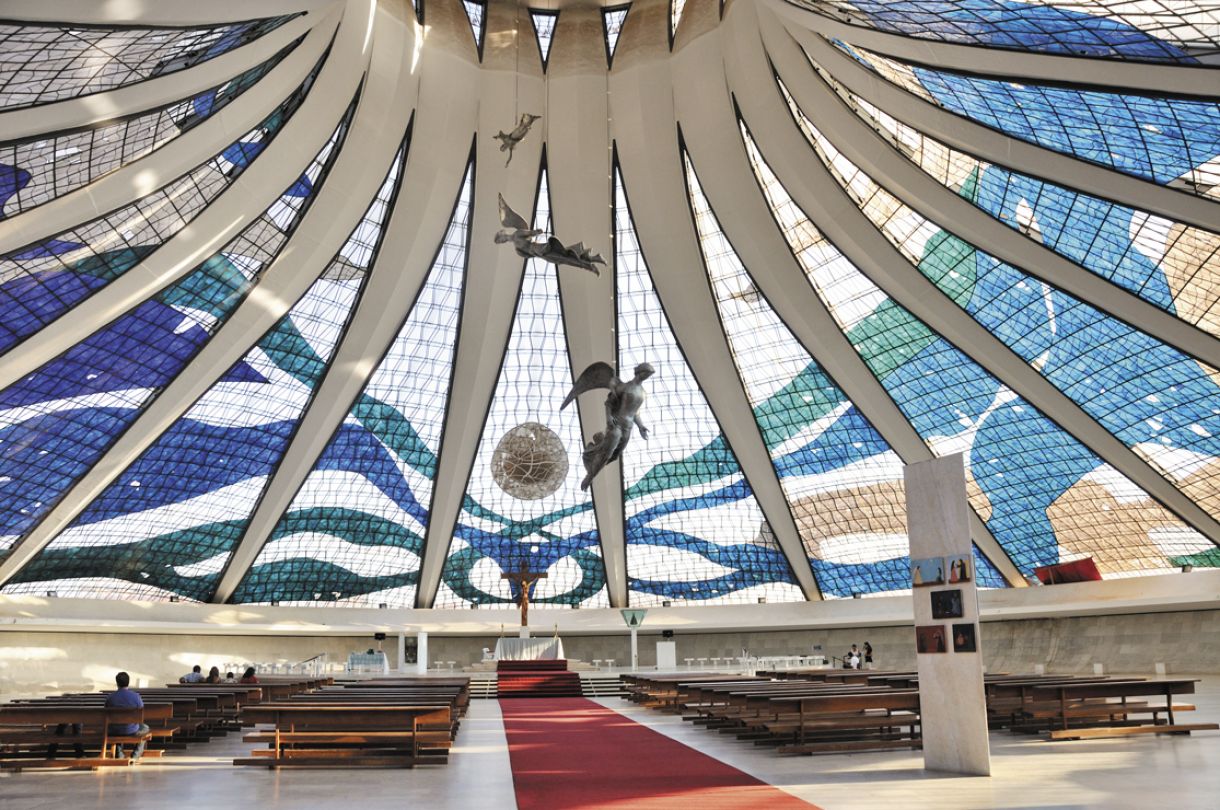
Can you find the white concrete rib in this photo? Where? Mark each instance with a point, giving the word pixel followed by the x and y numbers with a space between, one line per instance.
pixel 996 147
pixel 181 155
pixel 820 196
pixel 581 205
pixel 1121 75
pixel 652 172
pixel 325 227
pixel 96 108
pixel 712 139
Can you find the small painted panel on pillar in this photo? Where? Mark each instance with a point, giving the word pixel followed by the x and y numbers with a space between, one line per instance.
pixel 952 705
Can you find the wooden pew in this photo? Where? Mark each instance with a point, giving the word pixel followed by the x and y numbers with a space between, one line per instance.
pixel 28 727
pixel 851 722
pixel 1089 710
pixel 307 734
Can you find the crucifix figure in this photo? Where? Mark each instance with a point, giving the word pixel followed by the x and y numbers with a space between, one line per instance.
pixel 525 579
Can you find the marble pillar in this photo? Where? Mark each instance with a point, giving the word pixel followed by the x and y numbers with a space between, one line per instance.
pixel 953 708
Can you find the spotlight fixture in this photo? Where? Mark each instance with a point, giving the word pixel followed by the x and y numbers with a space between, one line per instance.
pixel 275 603
pixel 53 594
pixel 1186 569
pixel 382 605
pixel 762 600
pixel 173 599
pixel 667 603
pixel 855 596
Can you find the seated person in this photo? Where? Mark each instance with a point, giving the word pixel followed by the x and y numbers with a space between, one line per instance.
pixel 248 676
pixel 230 678
pixel 194 676
pixel 213 675
pixel 124 698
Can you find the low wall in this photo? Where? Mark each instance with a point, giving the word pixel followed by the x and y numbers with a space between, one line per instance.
pixel 37 663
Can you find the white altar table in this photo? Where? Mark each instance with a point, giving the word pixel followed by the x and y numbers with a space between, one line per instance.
pixel 529 649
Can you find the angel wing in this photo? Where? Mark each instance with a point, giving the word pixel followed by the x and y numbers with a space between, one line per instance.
pixel 510 218
pixel 597 375
pixel 584 253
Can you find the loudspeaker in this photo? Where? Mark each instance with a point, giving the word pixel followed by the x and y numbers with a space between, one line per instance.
pixel 667 634
pixel 379 637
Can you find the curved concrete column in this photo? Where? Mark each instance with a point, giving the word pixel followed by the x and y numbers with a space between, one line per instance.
pixel 236 207
pixel 94 109
pixel 996 147
pixel 375 135
pixel 1123 75
pixel 653 178
pixel 436 162
pixel 156 12
pixel 582 205
pixel 862 145
pixel 820 196
pixel 711 133
pixel 179 156
pixel 493 283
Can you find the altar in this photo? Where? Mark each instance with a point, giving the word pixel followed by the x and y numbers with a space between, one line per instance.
pixel 529 649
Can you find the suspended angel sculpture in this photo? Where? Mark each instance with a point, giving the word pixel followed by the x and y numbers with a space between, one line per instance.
pixel 516 230
pixel 509 140
pixel 622 413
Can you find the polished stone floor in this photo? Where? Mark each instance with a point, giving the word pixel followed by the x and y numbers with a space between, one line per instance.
pixel 1178 773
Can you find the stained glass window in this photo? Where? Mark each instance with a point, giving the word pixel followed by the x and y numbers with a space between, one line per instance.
pixel 1169 264
pixel 612 26
pixel 41 281
pixel 61 419
pixel 1174 142
pixel 44 63
pixel 544 30
pixel 353 534
pixel 694 531
pixel 476 10
pixel 1153 30
pixel 843 481
pixel 168 524
pixel 1044 496
pixel 508 517
pixel 1151 396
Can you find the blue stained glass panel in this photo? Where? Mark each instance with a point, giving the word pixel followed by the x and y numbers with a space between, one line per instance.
pixel 58 421
pixel 1044 496
pixel 694 531
pixel 843 482
pixel 1165 140
pixel 354 532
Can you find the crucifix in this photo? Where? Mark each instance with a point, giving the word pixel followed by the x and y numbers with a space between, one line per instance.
pixel 525 579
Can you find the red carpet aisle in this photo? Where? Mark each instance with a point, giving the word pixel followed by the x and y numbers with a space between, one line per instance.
pixel 537 679
pixel 573 753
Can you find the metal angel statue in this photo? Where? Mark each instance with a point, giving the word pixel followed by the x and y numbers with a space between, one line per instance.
pixel 622 413
pixel 509 140
pixel 515 229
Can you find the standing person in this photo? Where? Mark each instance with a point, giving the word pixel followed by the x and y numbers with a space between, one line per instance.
pixel 124 698
pixel 868 655
pixel 248 676
pixel 194 676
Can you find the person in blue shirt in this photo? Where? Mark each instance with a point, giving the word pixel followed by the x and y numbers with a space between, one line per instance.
pixel 124 698
pixel 194 676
